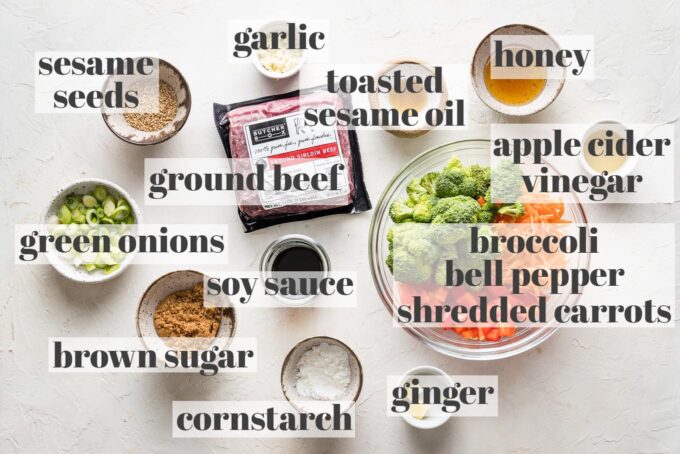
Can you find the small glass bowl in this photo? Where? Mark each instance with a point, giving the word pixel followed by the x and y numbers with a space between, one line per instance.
pixel 287 242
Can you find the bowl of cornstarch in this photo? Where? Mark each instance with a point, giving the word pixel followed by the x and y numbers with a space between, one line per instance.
pixel 321 371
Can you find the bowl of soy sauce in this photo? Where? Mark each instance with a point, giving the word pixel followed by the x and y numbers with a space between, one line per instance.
pixel 295 256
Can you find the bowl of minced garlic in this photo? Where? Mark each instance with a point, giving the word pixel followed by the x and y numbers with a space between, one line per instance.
pixel 173 100
pixel 173 310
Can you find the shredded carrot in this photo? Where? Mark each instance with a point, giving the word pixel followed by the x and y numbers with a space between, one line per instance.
pixel 545 211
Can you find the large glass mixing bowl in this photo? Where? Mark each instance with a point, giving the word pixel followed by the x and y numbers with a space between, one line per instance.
pixel 446 341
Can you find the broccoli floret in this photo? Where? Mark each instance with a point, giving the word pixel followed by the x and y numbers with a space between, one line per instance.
pixel 469 188
pixel 457 182
pixel 422 249
pixel 415 190
pixel 448 182
pixel 481 176
pixel 506 182
pixel 454 163
pixel 455 210
pixel 514 210
pixel 444 204
pixel 457 215
pixel 413 254
pixel 428 181
pixel 446 237
pixel 389 261
pixel 400 212
pixel 422 211
pixel 488 211
pixel 409 268
pixel 484 216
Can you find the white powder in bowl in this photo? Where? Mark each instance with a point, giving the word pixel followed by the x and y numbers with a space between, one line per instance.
pixel 323 372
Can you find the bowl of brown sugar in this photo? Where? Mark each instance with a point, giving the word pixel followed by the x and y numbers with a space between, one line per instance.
pixel 174 314
pixel 169 102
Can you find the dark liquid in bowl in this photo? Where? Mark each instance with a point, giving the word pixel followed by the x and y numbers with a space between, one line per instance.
pixel 297 259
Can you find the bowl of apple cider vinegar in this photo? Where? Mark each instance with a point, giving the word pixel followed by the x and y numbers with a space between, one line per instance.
pixel 514 96
pixel 599 152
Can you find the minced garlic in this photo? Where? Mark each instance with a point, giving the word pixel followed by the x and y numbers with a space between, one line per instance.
pixel 280 60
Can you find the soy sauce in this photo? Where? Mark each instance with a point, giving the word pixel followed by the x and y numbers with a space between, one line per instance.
pixel 298 259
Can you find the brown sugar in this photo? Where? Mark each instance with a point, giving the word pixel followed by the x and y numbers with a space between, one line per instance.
pixel 149 122
pixel 182 314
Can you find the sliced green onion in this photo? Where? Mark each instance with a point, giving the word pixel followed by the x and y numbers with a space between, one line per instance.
pixel 111 269
pixel 71 202
pixel 100 193
pixel 91 217
pixel 121 213
pixel 89 201
pixel 109 207
pixel 64 214
pixel 59 230
pixel 86 214
pixel 118 256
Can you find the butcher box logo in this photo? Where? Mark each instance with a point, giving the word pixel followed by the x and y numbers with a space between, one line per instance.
pixel 267 131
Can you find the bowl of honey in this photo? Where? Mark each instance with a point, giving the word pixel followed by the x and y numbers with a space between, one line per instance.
pixel 516 91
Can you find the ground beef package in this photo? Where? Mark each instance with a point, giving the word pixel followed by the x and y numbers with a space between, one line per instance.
pixel 273 130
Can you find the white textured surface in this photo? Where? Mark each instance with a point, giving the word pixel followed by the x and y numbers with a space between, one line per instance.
pixel 584 390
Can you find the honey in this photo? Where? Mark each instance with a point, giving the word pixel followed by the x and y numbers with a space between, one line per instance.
pixel 515 92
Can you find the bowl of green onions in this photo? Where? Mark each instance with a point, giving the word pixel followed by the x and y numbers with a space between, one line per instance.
pixel 101 211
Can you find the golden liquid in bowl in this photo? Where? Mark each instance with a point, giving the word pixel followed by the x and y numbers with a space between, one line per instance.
pixel 408 100
pixel 601 163
pixel 515 92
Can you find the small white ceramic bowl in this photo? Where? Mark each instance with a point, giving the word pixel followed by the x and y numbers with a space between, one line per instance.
pixel 119 126
pixel 269 27
pixel 410 67
pixel 618 128
pixel 289 371
pixel 80 187
pixel 164 286
pixel 552 88
pixel 428 422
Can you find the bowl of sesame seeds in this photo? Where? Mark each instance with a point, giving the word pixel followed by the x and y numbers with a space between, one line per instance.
pixel 173 100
